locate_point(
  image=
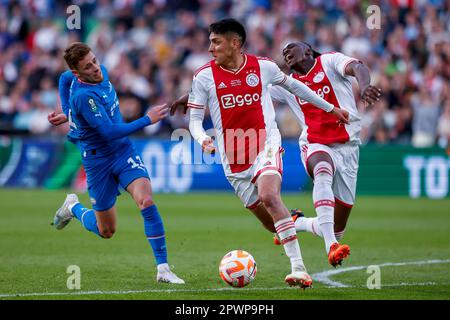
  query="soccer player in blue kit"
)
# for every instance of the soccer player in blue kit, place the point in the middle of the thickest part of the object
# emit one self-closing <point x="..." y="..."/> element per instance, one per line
<point x="91" y="106"/>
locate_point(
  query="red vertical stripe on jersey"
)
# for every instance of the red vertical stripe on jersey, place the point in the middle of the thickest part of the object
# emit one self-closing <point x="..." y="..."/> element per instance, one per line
<point x="322" y="126"/>
<point x="239" y="94"/>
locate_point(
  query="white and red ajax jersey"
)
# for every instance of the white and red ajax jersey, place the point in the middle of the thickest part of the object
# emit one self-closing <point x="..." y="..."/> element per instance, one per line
<point x="328" y="80"/>
<point x="241" y="108"/>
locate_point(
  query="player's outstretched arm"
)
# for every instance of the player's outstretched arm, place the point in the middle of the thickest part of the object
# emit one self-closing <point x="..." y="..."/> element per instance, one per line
<point x="198" y="132"/>
<point x="64" y="83"/>
<point x="112" y="131"/>
<point x="65" y="80"/>
<point x="180" y="102"/>
<point x="303" y="92"/>
<point x="97" y="118"/>
<point x="369" y="94"/>
<point x="158" y="113"/>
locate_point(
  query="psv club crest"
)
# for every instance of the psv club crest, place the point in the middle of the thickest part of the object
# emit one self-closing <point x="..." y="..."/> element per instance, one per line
<point x="252" y="80"/>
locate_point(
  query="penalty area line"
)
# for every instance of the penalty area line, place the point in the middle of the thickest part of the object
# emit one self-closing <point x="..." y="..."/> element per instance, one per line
<point x="324" y="277"/>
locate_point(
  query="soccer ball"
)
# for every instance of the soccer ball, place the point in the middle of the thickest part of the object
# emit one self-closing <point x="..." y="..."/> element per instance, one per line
<point x="237" y="268"/>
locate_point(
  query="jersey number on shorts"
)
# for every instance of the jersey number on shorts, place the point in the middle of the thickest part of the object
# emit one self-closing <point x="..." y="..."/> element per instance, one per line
<point x="139" y="164"/>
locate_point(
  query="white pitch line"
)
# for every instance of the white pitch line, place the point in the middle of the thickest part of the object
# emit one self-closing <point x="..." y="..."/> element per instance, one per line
<point x="83" y="293"/>
<point x="320" y="277"/>
<point x="324" y="276"/>
<point x="140" y="291"/>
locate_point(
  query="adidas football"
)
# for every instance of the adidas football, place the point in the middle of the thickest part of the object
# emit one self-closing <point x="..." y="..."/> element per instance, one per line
<point x="237" y="268"/>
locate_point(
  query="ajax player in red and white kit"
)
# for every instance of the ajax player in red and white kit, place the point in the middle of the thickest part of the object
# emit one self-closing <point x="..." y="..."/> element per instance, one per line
<point x="329" y="150"/>
<point x="235" y="88"/>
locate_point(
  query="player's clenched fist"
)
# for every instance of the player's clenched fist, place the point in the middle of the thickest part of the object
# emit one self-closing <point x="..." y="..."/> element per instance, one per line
<point x="56" y="118"/>
<point x="157" y="113"/>
<point x="208" y="146"/>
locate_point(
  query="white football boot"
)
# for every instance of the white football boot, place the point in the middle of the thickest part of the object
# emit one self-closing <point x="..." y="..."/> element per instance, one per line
<point x="299" y="278"/>
<point x="165" y="275"/>
<point x="64" y="215"/>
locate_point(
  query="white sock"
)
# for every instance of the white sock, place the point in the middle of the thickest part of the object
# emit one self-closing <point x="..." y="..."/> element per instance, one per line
<point x="323" y="198"/>
<point x="288" y="237"/>
<point x="303" y="224"/>
<point x="72" y="205"/>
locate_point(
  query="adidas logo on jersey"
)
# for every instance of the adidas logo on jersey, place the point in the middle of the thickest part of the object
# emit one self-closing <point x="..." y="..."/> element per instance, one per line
<point x="221" y="86"/>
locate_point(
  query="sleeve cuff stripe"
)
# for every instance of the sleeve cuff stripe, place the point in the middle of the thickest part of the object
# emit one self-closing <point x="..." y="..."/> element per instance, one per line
<point x="195" y="106"/>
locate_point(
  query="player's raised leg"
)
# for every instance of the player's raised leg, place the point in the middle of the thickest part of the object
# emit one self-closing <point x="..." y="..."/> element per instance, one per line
<point x="320" y="167"/>
<point x="341" y="215"/>
<point x="269" y="186"/>
<point x="141" y="191"/>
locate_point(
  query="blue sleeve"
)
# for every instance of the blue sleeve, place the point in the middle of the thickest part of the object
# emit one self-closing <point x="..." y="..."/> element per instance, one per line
<point x="65" y="81"/>
<point x="94" y="113"/>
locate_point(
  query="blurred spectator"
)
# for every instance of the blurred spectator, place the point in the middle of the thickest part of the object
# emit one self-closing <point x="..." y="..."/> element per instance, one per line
<point x="444" y="126"/>
<point x="425" y="118"/>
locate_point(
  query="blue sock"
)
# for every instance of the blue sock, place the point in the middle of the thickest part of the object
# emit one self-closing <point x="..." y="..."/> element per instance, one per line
<point x="86" y="217"/>
<point x="154" y="231"/>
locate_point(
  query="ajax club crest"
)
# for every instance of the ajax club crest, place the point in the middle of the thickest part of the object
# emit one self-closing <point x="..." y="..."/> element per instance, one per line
<point x="319" y="77"/>
<point x="252" y="80"/>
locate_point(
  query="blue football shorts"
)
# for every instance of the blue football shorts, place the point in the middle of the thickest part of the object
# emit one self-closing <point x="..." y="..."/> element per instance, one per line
<point x="105" y="174"/>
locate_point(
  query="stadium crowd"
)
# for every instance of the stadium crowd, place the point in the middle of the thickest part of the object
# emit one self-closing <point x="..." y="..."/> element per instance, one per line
<point x="152" y="48"/>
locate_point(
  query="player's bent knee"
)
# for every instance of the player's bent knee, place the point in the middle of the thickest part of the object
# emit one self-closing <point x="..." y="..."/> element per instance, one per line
<point x="269" y="200"/>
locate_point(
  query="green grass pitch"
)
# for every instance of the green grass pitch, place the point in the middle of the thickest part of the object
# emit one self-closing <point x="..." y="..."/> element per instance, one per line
<point x="408" y="239"/>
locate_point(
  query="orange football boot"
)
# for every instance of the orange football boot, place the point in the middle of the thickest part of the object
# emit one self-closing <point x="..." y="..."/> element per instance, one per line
<point x="337" y="253"/>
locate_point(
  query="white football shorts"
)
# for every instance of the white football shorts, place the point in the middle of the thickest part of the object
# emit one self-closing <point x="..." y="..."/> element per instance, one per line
<point x="345" y="159"/>
<point x="267" y="162"/>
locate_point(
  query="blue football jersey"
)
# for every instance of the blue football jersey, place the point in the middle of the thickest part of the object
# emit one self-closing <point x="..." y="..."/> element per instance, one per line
<point x="91" y="106"/>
